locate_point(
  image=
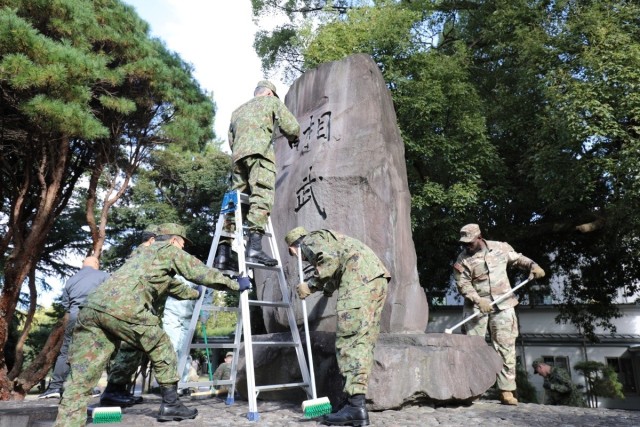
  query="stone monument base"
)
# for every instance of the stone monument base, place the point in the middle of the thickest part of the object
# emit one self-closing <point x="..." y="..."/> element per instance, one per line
<point x="408" y="369"/>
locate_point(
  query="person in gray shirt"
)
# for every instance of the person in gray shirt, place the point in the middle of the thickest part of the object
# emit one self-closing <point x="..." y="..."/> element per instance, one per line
<point x="75" y="292"/>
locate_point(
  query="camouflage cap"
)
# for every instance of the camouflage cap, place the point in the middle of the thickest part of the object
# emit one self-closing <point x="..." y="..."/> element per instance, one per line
<point x="152" y="229"/>
<point x="537" y="363"/>
<point x="469" y="232"/>
<point x="268" y="85"/>
<point x="172" y="229"/>
<point x="229" y="353"/>
<point x="294" y="235"/>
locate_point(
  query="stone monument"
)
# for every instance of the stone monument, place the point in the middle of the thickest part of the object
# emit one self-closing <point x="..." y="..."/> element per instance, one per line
<point x="348" y="174"/>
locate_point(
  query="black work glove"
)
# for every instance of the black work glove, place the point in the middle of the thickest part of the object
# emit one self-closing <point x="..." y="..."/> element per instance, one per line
<point x="294" y="143"/>
<point x="244" y="283"/>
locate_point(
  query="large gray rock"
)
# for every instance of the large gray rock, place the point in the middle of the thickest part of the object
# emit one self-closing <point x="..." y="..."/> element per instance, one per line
<point x="408" y="369"/>
<point x="347" y="174"/>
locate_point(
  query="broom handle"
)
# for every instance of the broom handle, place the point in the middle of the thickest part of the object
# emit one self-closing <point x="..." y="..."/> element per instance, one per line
<point x="306" y="328"/>
<point x="477" y="313"/>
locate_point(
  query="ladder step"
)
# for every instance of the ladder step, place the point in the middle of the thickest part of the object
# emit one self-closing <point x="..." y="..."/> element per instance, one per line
<point x="260" y="388"/>
<point x="205" y="383"/>
<point x="211" y="307"/>
<point x="277" y="343"/>
<point x="202" y="346"/>
<point x="262" y="266"/>
<point x="262" y="303"/>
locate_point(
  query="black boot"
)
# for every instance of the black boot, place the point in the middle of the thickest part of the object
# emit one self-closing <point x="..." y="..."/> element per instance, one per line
<point x="117" y="395"/>
<point x="353" y="414"/>
<point x="224" y="260"/>
<point x="172" y="409"/>
<point x="255" y="253"/>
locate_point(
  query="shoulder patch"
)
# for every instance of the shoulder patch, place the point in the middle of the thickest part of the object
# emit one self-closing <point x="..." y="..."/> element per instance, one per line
<point x="458" y="267"/>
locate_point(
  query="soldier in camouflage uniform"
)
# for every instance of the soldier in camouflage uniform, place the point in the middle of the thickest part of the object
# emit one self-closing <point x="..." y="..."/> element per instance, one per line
<point x="349" y="266"/>
<point x="123" y="309"/>
<point x="481" y="277"/>
<point x="560" y="390"/>
<point x="128" y="358"/>
<point x="251" y="133"/>
<point x="223" y="372"/>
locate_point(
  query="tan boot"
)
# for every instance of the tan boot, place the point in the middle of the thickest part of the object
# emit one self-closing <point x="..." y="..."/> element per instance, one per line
<point x="506" y="398"/>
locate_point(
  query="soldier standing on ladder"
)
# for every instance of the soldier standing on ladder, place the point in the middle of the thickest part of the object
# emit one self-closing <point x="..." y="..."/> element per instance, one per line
<point x="251" y="133"/>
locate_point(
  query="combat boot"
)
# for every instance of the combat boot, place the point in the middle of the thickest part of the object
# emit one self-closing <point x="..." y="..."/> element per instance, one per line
<point x="354" y="413"/>
<point x="117" y="395"/>
<point x="506" y="398"/>
<point x="224" y="259"/>
<point x="171" y="408"/>
<point x="255" y="253"/>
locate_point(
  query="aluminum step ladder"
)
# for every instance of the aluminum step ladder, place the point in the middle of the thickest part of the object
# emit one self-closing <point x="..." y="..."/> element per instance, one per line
<point x="232" y="206"/>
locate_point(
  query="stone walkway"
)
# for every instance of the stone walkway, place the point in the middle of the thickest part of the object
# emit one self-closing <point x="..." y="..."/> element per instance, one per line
<point x="214" y="412"/>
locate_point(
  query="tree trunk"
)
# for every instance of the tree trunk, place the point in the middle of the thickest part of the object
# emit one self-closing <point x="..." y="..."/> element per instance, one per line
<point x="29" y="231"/>
<point x="33" y="296"/>
<point x="39" y="368"/>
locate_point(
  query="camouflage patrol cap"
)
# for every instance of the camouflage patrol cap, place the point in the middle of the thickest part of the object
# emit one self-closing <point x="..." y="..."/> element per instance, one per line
<point x="469" y="232"/>
<point x="268" y="85"/>
<point x="294" y="235"/>
<point x="537" y="363"/>
<point x="172" y="229"/>
<point x="229" y="353"/>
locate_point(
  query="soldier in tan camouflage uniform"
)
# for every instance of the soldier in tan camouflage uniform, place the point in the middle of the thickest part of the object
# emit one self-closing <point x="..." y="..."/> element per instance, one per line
<point x="251" y="133"/>
<point x="349" y="266"/>
<point x="560" y="390"/>
<point x="481" y="277"/>
<point x="123" y="309"/>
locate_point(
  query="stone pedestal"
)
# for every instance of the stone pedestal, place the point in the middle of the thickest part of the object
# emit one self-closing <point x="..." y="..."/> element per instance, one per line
<point x="408" y="369"/>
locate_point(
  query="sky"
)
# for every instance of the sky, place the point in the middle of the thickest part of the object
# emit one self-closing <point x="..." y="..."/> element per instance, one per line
<point x="216" y="38"/>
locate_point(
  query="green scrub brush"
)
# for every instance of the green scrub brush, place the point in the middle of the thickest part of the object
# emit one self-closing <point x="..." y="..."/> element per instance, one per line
<point x="105" y="415"/>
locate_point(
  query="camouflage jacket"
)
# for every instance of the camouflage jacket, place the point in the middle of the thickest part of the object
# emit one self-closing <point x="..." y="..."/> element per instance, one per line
<point x="560" y="390"/>
<point x="142" y="284"/>
<point x="223" y="372"/>
<point x="484" y="274"/>
<point x="340" y="262"/>
<point x="254" y="123"/>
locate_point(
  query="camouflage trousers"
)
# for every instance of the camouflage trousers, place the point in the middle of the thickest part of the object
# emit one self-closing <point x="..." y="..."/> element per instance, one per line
<point x="357" y="332"/>
<point x="503" y="328"/>
<point x="125" y="365"/>
<point x="256" y="176"/>
<point x="95" y="337"/>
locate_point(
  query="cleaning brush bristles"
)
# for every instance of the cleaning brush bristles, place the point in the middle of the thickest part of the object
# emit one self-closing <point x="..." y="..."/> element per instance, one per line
<point x="104" y="415"/>
<point x="316" y="407"/>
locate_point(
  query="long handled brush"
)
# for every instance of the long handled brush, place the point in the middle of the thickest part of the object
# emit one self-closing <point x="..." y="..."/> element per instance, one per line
<point x="477" y="313"/>
<point x="315" y="407"/>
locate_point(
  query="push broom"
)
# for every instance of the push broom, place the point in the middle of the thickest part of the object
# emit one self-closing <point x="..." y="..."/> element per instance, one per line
<point x="477" y="313"/>
<point x="315" y="407"/>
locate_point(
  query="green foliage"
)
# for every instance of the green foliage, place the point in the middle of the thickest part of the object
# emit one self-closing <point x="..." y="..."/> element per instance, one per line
<point x="526" y="391"/>
<point x="602" y="380"/>
<point x="519" y="115"/>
